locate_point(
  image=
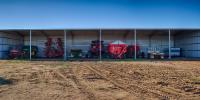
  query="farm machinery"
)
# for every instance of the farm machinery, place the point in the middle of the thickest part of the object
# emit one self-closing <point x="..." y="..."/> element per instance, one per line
<point x="155" y="53"/>
<point x="54" y="49"/>
<point x="95" y="48"/>
<point x="23" y="52"/>
<point x="117" y="49"/>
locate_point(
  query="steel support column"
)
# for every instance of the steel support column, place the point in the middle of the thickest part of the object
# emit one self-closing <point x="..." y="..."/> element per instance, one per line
<point x="135" y="39"/>
<point x="169" y="44"/>
<point x="100" y="49"/>
<point x="30" y="43"/>
<point x="65" y="45"/>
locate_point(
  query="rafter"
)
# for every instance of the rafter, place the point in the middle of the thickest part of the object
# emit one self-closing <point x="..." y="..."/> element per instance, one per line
<point x="44" y="33"/>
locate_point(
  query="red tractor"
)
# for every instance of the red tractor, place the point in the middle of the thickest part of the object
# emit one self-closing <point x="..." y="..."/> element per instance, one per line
<point x="95" y="48"/>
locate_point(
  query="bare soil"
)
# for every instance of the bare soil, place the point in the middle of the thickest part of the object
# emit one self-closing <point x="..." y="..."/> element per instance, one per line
<point x="57" y="80"/>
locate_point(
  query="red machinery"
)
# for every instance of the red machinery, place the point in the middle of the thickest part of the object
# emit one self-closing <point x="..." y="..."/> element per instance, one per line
<point x="131" y="51"/>
<point x="14" y="53"/>
<point x="60" y="49"/>
<point x="52" y="50"/>
<point x="95" y="48"/>
<point x="49" y="52"/>
<point x="117" y="49"/>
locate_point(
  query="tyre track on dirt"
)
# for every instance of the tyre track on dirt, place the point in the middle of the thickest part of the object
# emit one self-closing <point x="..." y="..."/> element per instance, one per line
<point x="76" y="83"/>
<point x="82" y="87"/>
<point x="133" y="89"/>
<point x="159" y="92"/>
<point x="88" y="78"/>
<point x="155" y="90"/>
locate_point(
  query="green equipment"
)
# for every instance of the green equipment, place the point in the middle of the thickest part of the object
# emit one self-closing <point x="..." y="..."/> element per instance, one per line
<point x="76" y="53"/>
<point x="26" y="51"/>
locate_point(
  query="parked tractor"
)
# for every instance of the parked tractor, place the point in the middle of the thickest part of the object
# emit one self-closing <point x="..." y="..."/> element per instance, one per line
<point x="23" y="52"/>
<point x="95" y="48"/>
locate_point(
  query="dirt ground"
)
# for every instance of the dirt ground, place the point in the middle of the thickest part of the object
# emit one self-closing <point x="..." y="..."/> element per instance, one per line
<point x="57" y="80"/>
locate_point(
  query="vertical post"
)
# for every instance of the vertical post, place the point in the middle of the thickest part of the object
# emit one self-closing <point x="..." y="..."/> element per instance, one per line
<point x="135" y="36"/>
<point x="30" y="43"/>
<point x="65" y="45"/>
<point x="169" y="44"/>
<point x="100" y="49"/>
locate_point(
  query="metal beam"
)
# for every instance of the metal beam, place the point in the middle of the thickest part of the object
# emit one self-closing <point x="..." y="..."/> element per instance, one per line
<point x="126" y="34"/>
<point x="11" y="32"/>
<point x="6" y="32"/>
<point x="135" y="39"/>
<point x="72" y="37"/>
<point x="65" y="45"/>
<point x="150" y="37"/>
<point x="30" y="42"/>
<point x="45" y="34"/>
<point x="19" y="34"/>
<point x="169" y="44"/>
<point x="100" y="39"/>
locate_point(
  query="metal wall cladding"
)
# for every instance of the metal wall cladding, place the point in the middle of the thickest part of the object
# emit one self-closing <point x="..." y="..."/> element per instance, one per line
<point x="8" y="41"/>
<point x="4" y="55"/>
<point x="189" y="43"/>
<point x="81" y="40"/>
<point x="156" y="42"/>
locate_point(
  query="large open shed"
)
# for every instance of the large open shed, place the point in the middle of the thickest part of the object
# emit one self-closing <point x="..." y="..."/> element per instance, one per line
<point x="76" y="44"/>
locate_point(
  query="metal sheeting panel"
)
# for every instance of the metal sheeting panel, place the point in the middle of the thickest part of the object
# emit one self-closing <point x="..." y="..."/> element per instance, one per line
<point x="156" y="42"/>
<point x="81" y="40"/>
<point x="8" y="41"/>
<point x="189" y="43"/>
<point x="3" y="55"/>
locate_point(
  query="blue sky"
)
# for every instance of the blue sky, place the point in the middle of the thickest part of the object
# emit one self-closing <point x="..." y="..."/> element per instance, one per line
<point x="44" y="14"/>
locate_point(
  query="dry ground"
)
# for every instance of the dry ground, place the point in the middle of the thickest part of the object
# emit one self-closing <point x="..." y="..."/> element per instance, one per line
<point x="51" y="80"/>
